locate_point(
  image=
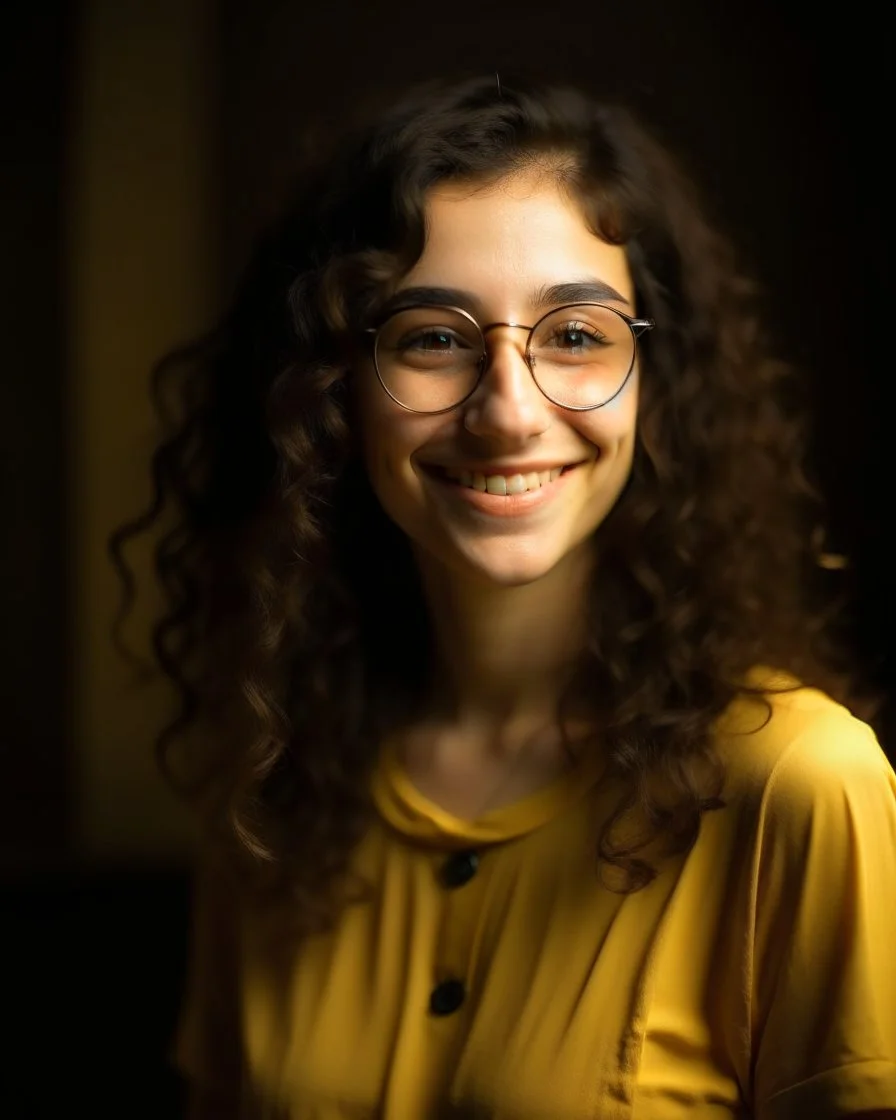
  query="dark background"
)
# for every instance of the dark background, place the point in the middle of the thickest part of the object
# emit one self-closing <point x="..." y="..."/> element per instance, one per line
<point x="782" y="114"/>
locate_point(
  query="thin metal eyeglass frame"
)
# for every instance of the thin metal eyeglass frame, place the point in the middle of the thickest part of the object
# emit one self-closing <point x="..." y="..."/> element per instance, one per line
<point x="636" y="326"/>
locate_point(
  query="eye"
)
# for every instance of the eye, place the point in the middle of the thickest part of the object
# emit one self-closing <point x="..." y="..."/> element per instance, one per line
<point x="430" y="339"/>
<point x="576" y="336"/>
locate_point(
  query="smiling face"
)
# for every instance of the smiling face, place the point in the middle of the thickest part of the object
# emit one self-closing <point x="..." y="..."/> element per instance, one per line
<point x="504" y="246"/>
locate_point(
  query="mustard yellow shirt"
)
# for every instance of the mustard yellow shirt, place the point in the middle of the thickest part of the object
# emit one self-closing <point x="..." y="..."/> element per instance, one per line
<point x="495" y="977"/>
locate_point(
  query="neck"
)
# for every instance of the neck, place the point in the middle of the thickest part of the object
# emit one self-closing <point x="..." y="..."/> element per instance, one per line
<point x="504" y="654"/>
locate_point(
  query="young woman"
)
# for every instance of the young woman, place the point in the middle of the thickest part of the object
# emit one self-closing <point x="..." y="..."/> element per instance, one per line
<point x="530" y="787"/>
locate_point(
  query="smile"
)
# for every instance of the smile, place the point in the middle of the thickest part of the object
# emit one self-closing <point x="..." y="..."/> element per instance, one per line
<point x="501" y="496"/>
<point x="504" y="484"/>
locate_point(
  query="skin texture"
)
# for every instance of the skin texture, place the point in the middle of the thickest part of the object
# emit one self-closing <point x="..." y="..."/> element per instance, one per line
<point x="499" y="243"/>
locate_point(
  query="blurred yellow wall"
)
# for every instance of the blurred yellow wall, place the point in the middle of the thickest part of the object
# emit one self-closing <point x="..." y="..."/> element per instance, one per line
<point x="141" y="250"/>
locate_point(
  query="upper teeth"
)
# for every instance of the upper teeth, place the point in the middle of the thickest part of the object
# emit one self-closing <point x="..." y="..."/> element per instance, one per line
<point x="505" y="484"/>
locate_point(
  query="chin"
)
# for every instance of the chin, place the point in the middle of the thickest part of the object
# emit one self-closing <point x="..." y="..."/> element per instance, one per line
<point x="517" y="577"/>
<point x="501" y="571"/>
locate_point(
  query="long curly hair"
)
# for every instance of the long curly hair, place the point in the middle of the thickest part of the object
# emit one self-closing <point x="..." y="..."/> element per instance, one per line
<point x="295" y="629"/>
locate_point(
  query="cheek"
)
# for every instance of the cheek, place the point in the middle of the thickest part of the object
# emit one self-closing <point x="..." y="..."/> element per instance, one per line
<point x="387" y="438"/>
<point x="389" y="442"/>
<point x="380" y="460"/>
<point x="613" y="427"/>
<point x="377" y="430"/>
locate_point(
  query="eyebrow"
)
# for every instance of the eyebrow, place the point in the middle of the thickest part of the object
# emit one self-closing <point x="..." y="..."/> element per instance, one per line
<point x="587" y="290"/>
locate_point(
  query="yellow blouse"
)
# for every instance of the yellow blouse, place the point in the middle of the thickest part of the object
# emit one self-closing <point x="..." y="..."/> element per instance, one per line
<point x="493" y="976"/>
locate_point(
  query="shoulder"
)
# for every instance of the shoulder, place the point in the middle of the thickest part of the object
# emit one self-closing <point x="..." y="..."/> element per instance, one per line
<point x="789" y="746"/>
<point x="814" y="798"/>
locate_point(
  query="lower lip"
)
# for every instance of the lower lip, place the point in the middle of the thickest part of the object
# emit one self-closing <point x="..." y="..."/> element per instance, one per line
<point x="501" y="505"/>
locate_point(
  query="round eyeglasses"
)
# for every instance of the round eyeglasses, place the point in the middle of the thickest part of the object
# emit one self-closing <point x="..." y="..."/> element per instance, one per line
<point x="430" y="358"/>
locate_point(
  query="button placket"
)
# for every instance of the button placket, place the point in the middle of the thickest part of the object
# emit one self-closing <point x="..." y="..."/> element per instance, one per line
<point x="456" y="933"/>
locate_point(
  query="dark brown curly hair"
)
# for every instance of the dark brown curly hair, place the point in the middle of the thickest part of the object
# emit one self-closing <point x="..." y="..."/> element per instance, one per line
<point x="295" y="629"/>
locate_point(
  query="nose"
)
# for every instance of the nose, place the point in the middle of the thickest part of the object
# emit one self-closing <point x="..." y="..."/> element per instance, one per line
<point x="507" y="405"/>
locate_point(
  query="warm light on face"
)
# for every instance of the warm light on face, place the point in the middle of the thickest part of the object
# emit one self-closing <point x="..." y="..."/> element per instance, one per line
<point x="508" y="485"/>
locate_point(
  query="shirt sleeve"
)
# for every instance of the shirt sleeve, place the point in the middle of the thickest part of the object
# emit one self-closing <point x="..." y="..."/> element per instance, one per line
<point x="824" y="960"/>
<point x="207" y="1045"/>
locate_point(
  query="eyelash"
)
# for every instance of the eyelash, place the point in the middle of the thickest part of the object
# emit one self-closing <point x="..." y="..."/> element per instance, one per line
<point x="593" y="334"/>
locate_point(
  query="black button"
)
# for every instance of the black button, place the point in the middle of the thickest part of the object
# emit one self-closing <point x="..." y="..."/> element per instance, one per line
<point x="460" y="868"/>
<point x="446" y="997"/>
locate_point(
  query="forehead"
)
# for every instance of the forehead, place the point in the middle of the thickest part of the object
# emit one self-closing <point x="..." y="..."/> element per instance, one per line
<point x="507" y="238"/>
